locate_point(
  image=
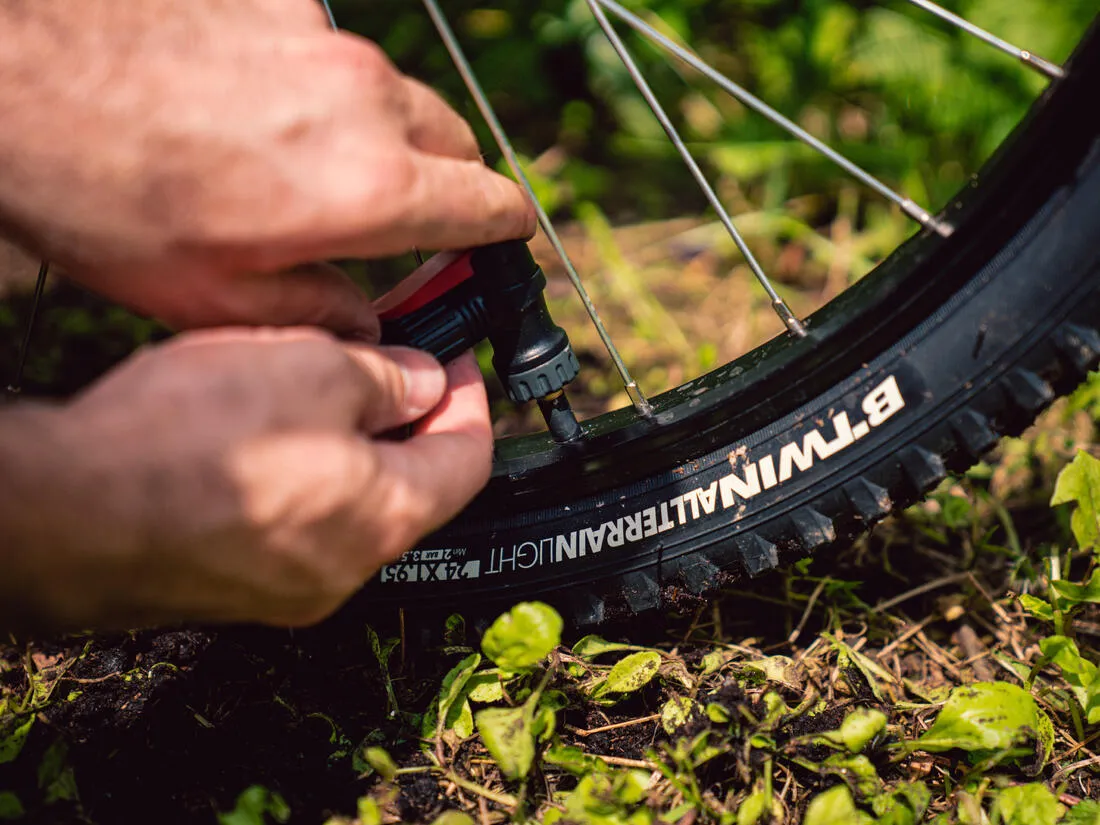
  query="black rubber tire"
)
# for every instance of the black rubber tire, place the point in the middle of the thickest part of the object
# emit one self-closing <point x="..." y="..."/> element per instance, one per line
<point x="918" y="370"/>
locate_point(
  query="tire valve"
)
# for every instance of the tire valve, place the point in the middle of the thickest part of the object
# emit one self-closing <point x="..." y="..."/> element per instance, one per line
<point x="456" y="300"/>
<point x="561" y="421"/>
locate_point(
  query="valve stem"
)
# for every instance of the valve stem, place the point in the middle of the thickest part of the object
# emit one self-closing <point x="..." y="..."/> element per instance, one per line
<point x="560" y="420"/>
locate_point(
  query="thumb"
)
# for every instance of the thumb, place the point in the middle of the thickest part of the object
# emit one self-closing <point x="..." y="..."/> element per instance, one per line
<point x="399" y="386"/>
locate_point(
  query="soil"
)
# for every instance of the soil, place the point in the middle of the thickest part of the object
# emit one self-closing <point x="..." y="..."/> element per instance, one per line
<point x="181" y="722"/>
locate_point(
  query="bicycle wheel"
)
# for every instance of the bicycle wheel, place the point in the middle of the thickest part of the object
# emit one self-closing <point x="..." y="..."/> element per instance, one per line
<point x="952" y="342"/>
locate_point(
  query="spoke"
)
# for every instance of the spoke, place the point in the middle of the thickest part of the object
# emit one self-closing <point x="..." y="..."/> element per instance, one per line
<point x="331" y="16"/>
<point x="1028" y="58"/>
<point x="781" y="308"/>
<point x="641" y="404"/>
<point x="16" y="385"/>
<point x="908" y="206"/>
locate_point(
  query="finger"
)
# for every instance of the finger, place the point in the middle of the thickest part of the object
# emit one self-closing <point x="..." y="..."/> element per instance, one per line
<point x="434" y="127"/>
<point x="402" y="385"/>
<point x="458" y="204"/>
<point x="466" y="403"/>
<point x="431" y="477"/>
<point x="431" y="202"/>
<point x="313" y="294"/>
<point x="318" y="295"/>
<point x="318" y="381"/>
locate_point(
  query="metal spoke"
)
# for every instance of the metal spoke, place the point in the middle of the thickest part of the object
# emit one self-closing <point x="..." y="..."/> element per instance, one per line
<point x="1028" y="58"/>
<point x="641" y="404"/>
<point x="331" y="16"/>
<point x="908" y="206"/>
<point x="781" y="308"/>
<point x="16" y="385"/>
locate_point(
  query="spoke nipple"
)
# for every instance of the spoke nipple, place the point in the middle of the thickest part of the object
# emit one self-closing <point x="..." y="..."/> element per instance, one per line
<point x="794" y="326"/>
<point x="921" y="216"/>
<point x="944" y="229"/>
<point x="1052" y="70"/>
<point x="640" y="402"/>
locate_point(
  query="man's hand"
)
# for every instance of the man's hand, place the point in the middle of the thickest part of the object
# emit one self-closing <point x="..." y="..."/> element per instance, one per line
<point x="233" y="476"/>
<point x="185" y="158"/>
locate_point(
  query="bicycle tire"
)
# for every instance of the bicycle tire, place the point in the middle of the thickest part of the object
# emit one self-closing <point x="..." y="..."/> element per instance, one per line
<point x="918" y="370"/>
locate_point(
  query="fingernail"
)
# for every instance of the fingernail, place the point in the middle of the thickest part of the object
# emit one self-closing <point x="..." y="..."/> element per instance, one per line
<point x="425" y="380"/>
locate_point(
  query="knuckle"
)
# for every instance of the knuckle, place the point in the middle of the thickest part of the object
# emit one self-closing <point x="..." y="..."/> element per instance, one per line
<point x="365" y="65"/>
<point x="386" y="197"/>
<point x="393" y="182"/>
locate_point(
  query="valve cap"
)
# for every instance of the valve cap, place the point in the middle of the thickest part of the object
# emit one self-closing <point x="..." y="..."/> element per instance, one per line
<point x="545" y="379"/>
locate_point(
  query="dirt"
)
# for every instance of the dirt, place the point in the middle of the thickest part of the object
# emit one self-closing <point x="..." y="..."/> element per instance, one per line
<point x="181" y="722"/>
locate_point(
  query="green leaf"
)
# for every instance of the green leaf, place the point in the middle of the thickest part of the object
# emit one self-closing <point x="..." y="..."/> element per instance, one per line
<point x="592" y="646"/>
<point x="463" y="725"/>
<point x="1079" y="482"/>
<point x="13" y="740"/>
<point x="368" y="811"/>
<point x="991" y="720"/>
<point x="545" y="722"/>
<point x="1038" y="608"/>
<point x="781" y="670"/>
<point x="253" y="807"/>
<point x="10" y="806"/>
<point x="835" y="807"/>
<point x="858" y="728"/>
<point x="715" y="661"/>
<point x="523" y="637"/>
<point x="776" y="709"/>
<point x="633" y="672"/>
<point x="873" y="673"/>
<point x="55" y="775"/>
<point x="1027" y="805"/>
<point x="1062" y="651"/>
<point x="1089" y="592"/>
<point x="1081" y="674"/>
<point x="507" y="734"/>
<point x="1086" y="812"/>
<point x="718" y="713"/>
<point x="574" y="760"/>
<point x="381" y="762"/>
<point x="448" y="707"/>
<point x="857" y="771"/>
<point x="554" y="699"/>
<point x="904" y="804"/>
<point x="675" y="713"/>
<point x="608" y="799"/>
<point x="486" y="687"/>
<point x="453" y="817"/>
<point x="753" y="809"/>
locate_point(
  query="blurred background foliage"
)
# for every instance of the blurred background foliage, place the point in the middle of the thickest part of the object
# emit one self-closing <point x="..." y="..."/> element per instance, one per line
<point x="911" y="98"/>
<point x="915" y="101"/>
